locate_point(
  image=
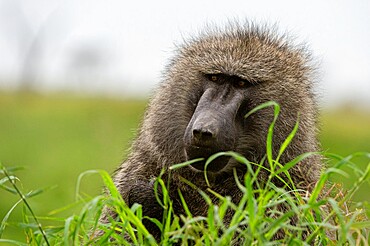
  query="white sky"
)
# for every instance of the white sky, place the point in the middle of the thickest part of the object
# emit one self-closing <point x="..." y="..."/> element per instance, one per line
<point x="135" y="39"/>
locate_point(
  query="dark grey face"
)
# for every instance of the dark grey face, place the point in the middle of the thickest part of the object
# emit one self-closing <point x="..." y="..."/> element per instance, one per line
<point x="216" y="121"/>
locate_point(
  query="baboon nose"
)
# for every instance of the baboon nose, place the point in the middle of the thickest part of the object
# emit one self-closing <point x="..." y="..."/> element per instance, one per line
<point x="203" y="136"/>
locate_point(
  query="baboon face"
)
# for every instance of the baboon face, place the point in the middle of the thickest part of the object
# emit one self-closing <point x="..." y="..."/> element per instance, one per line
<point x="226" y="76"/>
<point x="217" y="119"/>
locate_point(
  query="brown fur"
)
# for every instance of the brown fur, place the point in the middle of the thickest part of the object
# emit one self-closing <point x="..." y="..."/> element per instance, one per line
<point x="278" y="70"/>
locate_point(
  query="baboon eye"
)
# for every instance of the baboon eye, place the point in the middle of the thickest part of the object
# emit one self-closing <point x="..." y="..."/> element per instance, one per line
<point x="240" y="83"/>
<point x="214" y="77"/>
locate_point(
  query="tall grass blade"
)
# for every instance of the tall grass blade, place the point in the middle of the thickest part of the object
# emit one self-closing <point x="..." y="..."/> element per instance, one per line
<point x="288" y="140"/>
<point x="23" y="198"/>
<point x="6" y="217"/>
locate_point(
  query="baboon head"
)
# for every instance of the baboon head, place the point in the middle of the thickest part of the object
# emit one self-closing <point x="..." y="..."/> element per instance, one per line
<point x="214" y="80"/>
<point x="199" y="109"/>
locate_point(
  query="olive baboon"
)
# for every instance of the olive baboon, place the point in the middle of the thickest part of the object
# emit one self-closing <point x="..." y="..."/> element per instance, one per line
<point x="199" y="108"/>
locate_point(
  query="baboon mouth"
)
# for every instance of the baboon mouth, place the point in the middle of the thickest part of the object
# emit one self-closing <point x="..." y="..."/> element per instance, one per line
<point x="194" y="152"/>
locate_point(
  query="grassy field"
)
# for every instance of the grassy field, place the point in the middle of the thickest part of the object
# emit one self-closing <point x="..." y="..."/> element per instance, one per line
<point x="58" y="137"/>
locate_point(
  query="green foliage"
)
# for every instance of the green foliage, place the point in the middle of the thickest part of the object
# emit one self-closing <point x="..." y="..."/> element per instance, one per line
<point x="327" y="213"/>
<point x="256" y="218"/>
<point x="57" y="137"/>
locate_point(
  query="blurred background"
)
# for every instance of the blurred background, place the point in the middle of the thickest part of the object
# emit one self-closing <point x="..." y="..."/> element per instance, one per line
<point x="75" y="77"/>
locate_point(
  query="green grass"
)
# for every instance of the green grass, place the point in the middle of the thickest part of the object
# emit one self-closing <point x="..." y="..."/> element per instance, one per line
<point x="318" y="220"/>
<point x="58" y="137"/>
<point x="345" y="131"/>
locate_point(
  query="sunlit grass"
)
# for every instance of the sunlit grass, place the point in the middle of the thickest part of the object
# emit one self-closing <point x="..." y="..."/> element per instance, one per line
<point x="57" y="137"/>
<point x="256" y="218"/>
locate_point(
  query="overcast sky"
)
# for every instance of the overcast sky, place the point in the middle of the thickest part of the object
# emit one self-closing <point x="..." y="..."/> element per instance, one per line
<point x="120" y="47"/>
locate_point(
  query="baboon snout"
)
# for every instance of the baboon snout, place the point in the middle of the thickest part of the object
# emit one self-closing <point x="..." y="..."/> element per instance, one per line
<point x="204" y="137"/>
<point x="212" y="127"/>
<point x="203" y="134"/>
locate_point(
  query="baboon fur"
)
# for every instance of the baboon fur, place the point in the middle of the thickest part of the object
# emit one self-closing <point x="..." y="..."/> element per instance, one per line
<point x="275" y="70"/>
